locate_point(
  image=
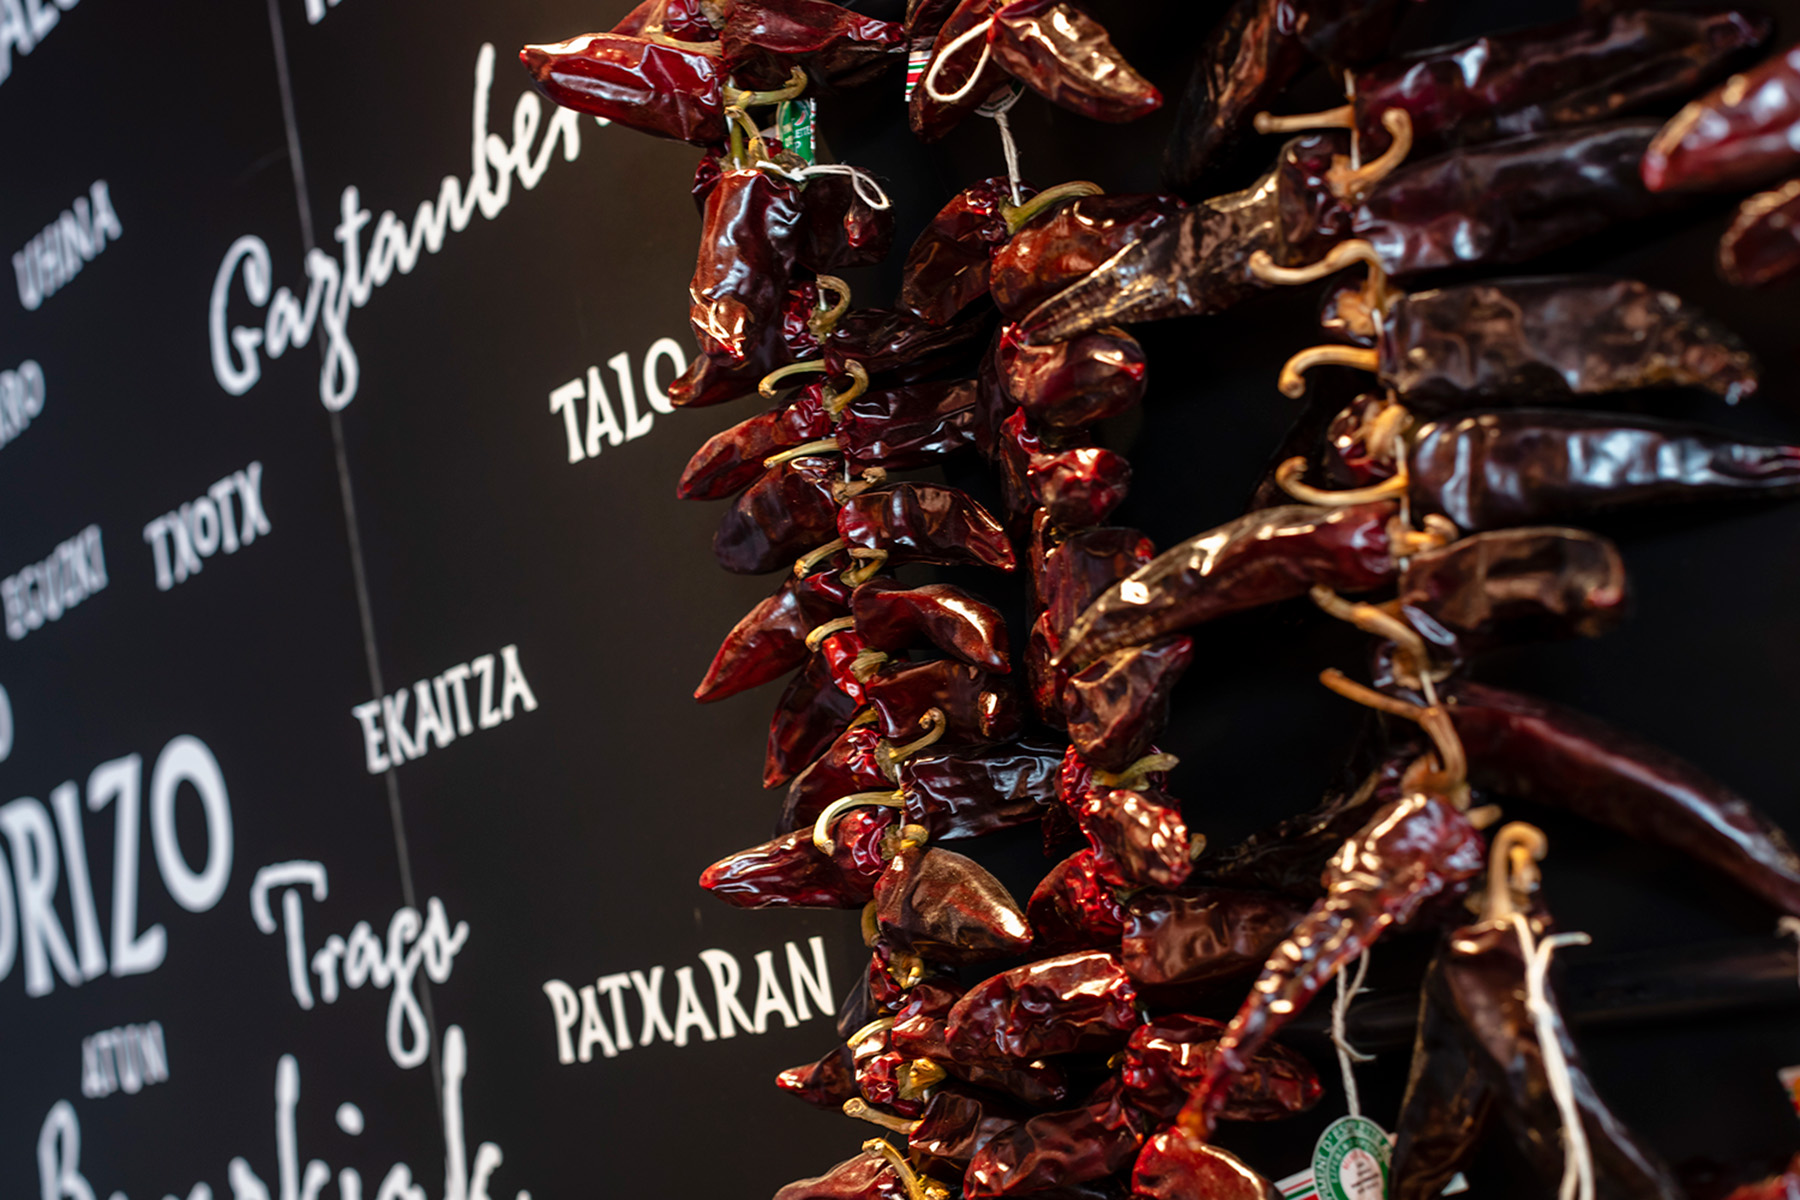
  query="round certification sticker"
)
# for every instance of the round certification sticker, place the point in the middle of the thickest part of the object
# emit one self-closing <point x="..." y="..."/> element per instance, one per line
<point x="1351" y="1160"/>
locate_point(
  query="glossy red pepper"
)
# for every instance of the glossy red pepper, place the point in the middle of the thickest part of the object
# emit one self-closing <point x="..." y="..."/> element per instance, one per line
<point x="1447" y="1104"/>
<point x="839" y="229"/>
<point x="732" y="459"/>
<point x="1762" y="246"/>
<point x="1783" y="1186"/>
<point x="1067" y="57"/>
<point x="1176" y="1166"/>
<point x="948" y="266"/>
<point x="1070" y="384"/>
<point x="1739" y="134"/>
<point x="1415" y="850"/>
<point x="810" y="715"/>
<point x="1253" y="561"/>
<point x="1038" y="1084"/>
<point x="900" y="347"/>
<point x="868" y="1176"/>
<point x="824" y="1084"/>
<point x="789" y="510"/>
<point x="1082" y="1001"/>
<point x="748" y="238"/>
<point x="1056" y="1149"/>
<point x="1078" y="488"/>
<point x="925" y="523"/>
<point x="849" y="765"/>
<point x="763" y="40"/>
<point x="1056" y="248"/>
<point x="790" y="872"/>
<point x="977" y="708"/>
<point x="947" y="907"/>
<point x="1204" y="935"/>
<point x="771" y="639"/>
<point x="656" y="87"/>
<point x="1073" y="908"/>
<point x="953" y="1129"/>
<point x="847" y="660"/>
<point x="1166" y="1057"/>
<point x="974" y="792"/>
<point x="715" y="379"/>
<point x="1138" y="837"/>
<point x="1525" y="747"/>
<point x="969" y="73"/>
<point x="906" y="427"/>
<point x="1083" y="565"/>
<point x="684" y="20"/>
<point x="891" y="616"/>
<point x="1118" y="704"/>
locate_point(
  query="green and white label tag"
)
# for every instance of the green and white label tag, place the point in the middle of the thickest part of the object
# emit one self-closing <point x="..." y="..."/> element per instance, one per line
<point x="1350" y="1162"/>
<point x="794" y="126"/>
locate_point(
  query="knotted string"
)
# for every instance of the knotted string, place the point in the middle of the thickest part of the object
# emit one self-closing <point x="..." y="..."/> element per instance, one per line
<point x="1578" y="1162"/>
<point x="861" y="180"/>
<point x="1348" y="1054"/>
<point x="937" y="64"/>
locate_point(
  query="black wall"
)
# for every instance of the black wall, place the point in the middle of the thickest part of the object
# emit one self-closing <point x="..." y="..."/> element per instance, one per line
<point x="431" y="516"/>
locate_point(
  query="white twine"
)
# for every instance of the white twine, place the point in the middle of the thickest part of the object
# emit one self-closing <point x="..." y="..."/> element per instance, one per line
<point x="937" y="64"/>
<point x="996" y="112"/>
<point x="1348" y="1054"/>
<point x="861" y="180"/>
<point x="1578" y="1163"/>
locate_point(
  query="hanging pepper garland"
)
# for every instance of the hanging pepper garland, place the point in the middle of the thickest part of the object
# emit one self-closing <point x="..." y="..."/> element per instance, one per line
<point x="905" y="725"/>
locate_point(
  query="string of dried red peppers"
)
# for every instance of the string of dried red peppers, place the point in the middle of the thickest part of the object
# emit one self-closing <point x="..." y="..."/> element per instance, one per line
<point x="904" y="725"/>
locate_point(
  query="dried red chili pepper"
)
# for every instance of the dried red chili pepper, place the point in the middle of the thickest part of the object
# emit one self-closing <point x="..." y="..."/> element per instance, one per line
<point x="810" y="715"/>
<point x="824" y="1084"/>
<point x="763" y="40"/>
<point x="973" y="706"/>
<point x="1058" y="247"/>
<point x="748" y="238"/>
<point x="1573" y="72"/>
<point x="1118" y="704"/>
<point x="946" y="907"/>
<point x="976" y="792"/>
<point x="847" y="660"/>
<point x="1066" y="385"/>
<point x="1080" y="569"/>
<point x="907" y="427"/>
<point x="1038" y="1084"/>
<point x="790" y="872"/>
<point x="1446" y="1107"/>
<point x="789" y="510"/>
<point x="771" y="639"/>
<point x="1523" y="466"/>
<point x="899" y="346"/>
<point x="1255" y="560"/>
<point x="732" y="459"/>
<point x="1167" y="1056"/>
<point x="1072" y="1003"/>
<point x="717" y="378"/>
<point x="1740" y="133"/>
<point x="839" y="228"/>
<point x="868" y="1176"/>
<point x="1078" y="488"/>
<point x="1777" y="1187"/>
<point x="849" y="765"/>
<point x="969" y="72"/>
<point x="1522" y="746"/>
<point x="925" y="523"/>
<point x="1415" y="849"/>
<point x="656" y="87"/>
<point x="953" y="1129"/>
<point x="684" y="20"/>
<point x="1073" y="908"/>
<point x="1067" y="57"/>
<point x="1762" y="245"/>
<point x="1138" y="837"/>
<point x="1176" y="1166"/>
<point x="947" y="268"/>
<point x="891" y="616"/>
<point x="1203" y="936"/>
<point x="1056" y="1149"/>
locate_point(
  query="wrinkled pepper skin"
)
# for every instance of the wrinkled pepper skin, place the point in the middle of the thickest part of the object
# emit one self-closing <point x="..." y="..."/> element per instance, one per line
<point x="789" y="510"/>
<point x="824" y="1084"/>
<point x="1069" y="1004"/>
<point x="865" y="1177"/>
<point x="1579" y="335"/>
<point x="1079" y="489"/>
<point x="978" y="708"/>
<point x="1073" y="908"/>
<point x="907" y="427"/>
<point x="1529" y="748"/>
<point x="748" y="238"/>
<point x="1084" y="565"/>
<point x="948" y="267"/>
<point x="732" y="459"/>
<point x="952" y="1130"/>
<point x="900" y="347"/>
<point x="1118" y="704"/>
<point x="1057" y="248"/>
<point x="891" y="616"/>
<point x="790" y="872"/>
<point x="1484" y="986"/>
<point x="947" y="907"/>
<point x="1511" y="585"/>
<point x="1175" y="1166"/>
<point x="764" y="39"/>
<point x="1138" y="838"/>
<point x="1737" y="135"/>
<point x="716" y="379"/>
<point x="810" y="715"/>
<point x="1573" y="72"/>
<point x="1447" y="1104"/>
<point x="839" y="230"/>
<point x="1414" y="850"/>
<point x="1040" y="1085"/>
<point x="931" y="119"/>
<point x="925" y="523"/>
<point x="848" y="765"/>
<point x="1067" y="385"/>
<point x="1762" y="246"/>
<point x="1526" y="466"/>
<point x="653" y="87"/>
<point x="976" y="792"/>
<point x="1066" y="56"/>
<point x="1167" y="1056"/>
<point x="1258" y="559"/>
<point x="1056" y="1149"/>
<point x="771" y="639"/>
<point x="1203" y="936"/>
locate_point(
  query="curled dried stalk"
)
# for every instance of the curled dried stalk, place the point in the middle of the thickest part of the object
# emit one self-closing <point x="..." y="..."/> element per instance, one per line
<point x="1449" y="775"/>
<point x="1287" y="475"/>
<point x="862" y="1110"/>
<point x="1292" y="380"/>
<point x="889" y="756"/>
<point x="1341" y="117"/>
<point x="737" y="98"/>
<point x="825" y="445"/>
<point x="825" y="318"/>
<point x="821" y="834"/>
<point x="819" y="633"/>
<point x="1352" y="183"/>
<point x="869" y="564"/>
<point x="1412" y="660"/>
<point x="771" y="383"/>
<point x="806" y="562"/>
<point x="1512" y="869"/>
<point x="836" y="402"/>
<point x="1136" y="777"/>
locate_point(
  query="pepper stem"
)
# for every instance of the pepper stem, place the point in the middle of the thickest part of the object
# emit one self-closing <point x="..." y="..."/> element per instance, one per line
<point x="837" y="402"/>
<point x="806" y="562"/>
<point x="746" y="139"/>
<point x="1292" y="381"/>
<point x="1136" y="777"/>
<point x="1452" y="769"/>
<point x="1341" y="117"/>
<point x="1382" y="623"/>
<point x="889" y="756"/>
<point x="1512" y="869"/>
<point x="878" y="1025"/>
<point x="917" y="1187"/>
<point x="919" y="1076"/>
<point x="873" y="561"/>
<point x="862" y="1110"/>
<point x="1020" y="215"/>
<point x="791" y="90"/>
<point x="821" y="835"/>
<point x="1288" y="476"/>
<point x="820" y="632"/>
<point x="826" y="445"/>
<point x="768" y="387"/>
<point x="826" y="318"/>
<point x="1353" y="183"/>
<point x="1345" y="254"/>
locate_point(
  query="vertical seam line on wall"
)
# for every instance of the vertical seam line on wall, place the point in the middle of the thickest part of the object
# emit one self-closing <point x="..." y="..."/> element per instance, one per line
<point x="365" y="610"/>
